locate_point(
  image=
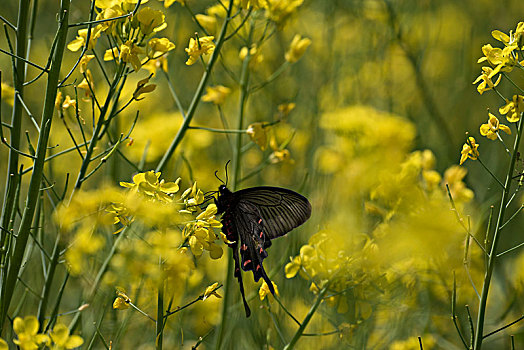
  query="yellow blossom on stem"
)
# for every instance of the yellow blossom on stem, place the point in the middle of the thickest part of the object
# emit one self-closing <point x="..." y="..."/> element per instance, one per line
<point x="68" y="102"/>
<point x="197" y="48"/>
<point x="211" y="290"/>
<point x="122" y="301"/>
<point x="84" y="61"/>
<point x="151" y="20"/>
<point x="485" y="80"/>
<point x="153" y="65"/>
<point x="297" y="48"/>
<point x="492" y="127"/>
<point x="87" y="85"/>
<point x="216" y="94"/>
<point x="142" y="87"/>
<point x="81" y="38"/>
<point x="264" y="290"/>
<point x="157" y="47"/>
<point x="513" y="109"/>
<point x="129" y="53"/>
<point x="63" y="340"/>
<point x="206" y="21"/>
<point x="258" y="134"/>
<point x="291" y="269"/>
<point x="111" y="54"/>
<point x="280" y="10"/>
<point x="3" y="345"/>
<point x="26" y="330"/>
<point x="149" y="184"/>
<point x="469" y="150"/>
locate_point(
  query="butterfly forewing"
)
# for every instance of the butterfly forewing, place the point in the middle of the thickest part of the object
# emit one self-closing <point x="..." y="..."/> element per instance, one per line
<point x="280" y="209"/>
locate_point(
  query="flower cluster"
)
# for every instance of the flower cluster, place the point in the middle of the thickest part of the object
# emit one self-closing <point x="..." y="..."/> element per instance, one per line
<point x="132" y="36"/>
<point x="28" y="338"/>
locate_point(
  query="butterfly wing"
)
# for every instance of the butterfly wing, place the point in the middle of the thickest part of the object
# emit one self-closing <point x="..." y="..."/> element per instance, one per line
<point x="280" y="209"/>
<point x="262" y="214"/>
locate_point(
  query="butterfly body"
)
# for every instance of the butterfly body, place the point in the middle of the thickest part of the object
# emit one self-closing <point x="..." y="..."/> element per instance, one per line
<point x="251" y="218"/>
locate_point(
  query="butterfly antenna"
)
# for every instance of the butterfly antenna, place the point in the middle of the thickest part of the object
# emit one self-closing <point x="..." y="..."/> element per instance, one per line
<point x="219" y="179"/>
<point x="229" y="161"/>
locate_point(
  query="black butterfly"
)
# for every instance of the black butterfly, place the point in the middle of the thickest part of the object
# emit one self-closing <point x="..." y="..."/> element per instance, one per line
<point x="251" y="218"/>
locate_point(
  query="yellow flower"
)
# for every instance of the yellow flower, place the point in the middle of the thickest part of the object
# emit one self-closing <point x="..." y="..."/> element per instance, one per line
<point x="154" y="64"/>
<point x="493" y="126"/>
<point x="68" y="102"/>
<point x="142" y="87"/>
<point x="85" y="85"/>
<point x="151" y="20"/>
<point x="513" y="109"/>
<point x="208" y="22"/>
<point x="26" y="330"/>
<point x="81" y="38"/>
<point x="297" y="48"/>
<point x="203" y="46"/>
<point x="293" y="267"/>
<point x="168" y="3"/>
<point x="502" y="59"/>
<point x="469" y="150"/>
<point x="111" y="54"/>
<point x="63" y="340"/>
<point x="280" y="10"/>
<point x="257" y="133"/>
<point x="84" y="61"/>
<point x="279" y="156"/>
<point x="149" y="184"/>
<point x="216" y="94"/>
<point x="3" y="345"/>
<point x="122" y="301"/>
<point x="211" y="290"/>
<point x="286" y="108"/>
<point x="157" y="47"/>
<point x="486" y="76"/>
<point x="453" y="177"/>
<point x="129" y="53"/>
<point x="264" y="290"/>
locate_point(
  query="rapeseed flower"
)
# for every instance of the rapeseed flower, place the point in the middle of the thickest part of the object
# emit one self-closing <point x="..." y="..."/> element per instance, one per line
<point x="264" y="290"/>
<point x="513" y="109"/>
<point x="203" y="46"/>
<point x="63" y="340"/>
<point x="26" y="330"/>
<point x="492" y="127"/>
<point x="297" y="48"/>
<point x="151" y="20"/>
<point x="81" y="38"/>
<point x="469" y="150"/>
<point x="216" y="94"/>
<point x="484" y="78"/>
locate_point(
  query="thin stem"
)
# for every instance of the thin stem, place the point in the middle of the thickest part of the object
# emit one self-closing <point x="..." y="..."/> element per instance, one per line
<point x="198" y="94"/>
<point x="36" y="177"/>
<point x="493" y="253"/>
<point x="506" y="326"/>
<point x="308" y="317"/>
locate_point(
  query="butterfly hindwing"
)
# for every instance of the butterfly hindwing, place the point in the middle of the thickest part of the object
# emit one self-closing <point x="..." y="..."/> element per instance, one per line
<point x="253" y="240"/>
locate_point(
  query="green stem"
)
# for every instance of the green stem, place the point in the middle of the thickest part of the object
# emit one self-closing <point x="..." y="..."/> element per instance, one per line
<point x="198" y="94"/>
<point x="235" y="181"/>
<point x="12" y="177"/>
<point x="308" y="317"/>
<point x="38" y="167"/>
<point x="160" y="311"/>
<point x="493" y="252"/>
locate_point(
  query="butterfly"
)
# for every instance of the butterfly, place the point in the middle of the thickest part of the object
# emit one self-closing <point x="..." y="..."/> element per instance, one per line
<point x="251" y="218"/>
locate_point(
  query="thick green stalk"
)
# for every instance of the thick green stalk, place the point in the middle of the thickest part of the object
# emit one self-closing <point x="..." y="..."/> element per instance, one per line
<point x="16" y="126"/>
<point x="493" y="252"/>
<point x="237" y="154"/>
<point x="198" y="94"/>
<point x="38" y="167"/>
<point x="308" y="317"/>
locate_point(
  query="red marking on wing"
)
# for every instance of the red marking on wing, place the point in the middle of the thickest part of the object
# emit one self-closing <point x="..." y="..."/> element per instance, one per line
<point x="243" y="247"/>
<point x="261" y="234"/>
<point x="259" y="221"/>
<point x="261" y="250"/>
<point x="246" y="262"/>
<point x="258" y="267"/>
